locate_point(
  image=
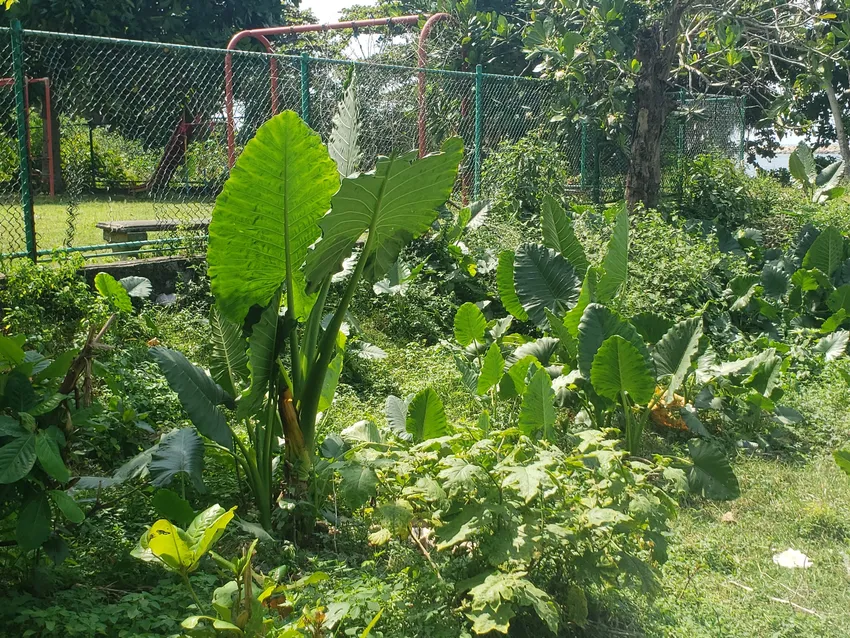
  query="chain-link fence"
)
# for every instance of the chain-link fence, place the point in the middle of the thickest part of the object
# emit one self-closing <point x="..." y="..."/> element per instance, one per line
<point x="138" y="133"/>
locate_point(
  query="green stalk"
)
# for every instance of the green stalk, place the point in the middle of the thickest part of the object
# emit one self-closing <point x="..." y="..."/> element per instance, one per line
<point x="314" y="322"/>
<point x="327" y="347"/>
<point x="188" y="584"/>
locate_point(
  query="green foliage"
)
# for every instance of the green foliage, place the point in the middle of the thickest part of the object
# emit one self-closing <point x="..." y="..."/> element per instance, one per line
<point x="509" y="554"/>
<point x="819" y="186"/>
<point x="35" y="423"/>
<point x="717" y="189"/>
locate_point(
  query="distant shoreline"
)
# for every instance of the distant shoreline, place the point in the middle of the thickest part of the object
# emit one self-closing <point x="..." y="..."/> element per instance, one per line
<point x="832" y="149"/>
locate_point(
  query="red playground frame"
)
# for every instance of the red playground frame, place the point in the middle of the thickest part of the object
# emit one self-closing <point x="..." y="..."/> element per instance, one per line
<point x="4" y="82"/>
<point x="260" y="35"/>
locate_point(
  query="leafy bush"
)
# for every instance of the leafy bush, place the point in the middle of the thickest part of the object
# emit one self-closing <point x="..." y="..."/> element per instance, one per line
<point x="521" y="525"/>
<point x="46" y="303"/>
<point x="517" y="175"/>
<point x="716" y="188"/>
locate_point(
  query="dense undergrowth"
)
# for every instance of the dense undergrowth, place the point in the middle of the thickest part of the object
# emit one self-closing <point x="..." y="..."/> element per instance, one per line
<point x="469" y="476"/>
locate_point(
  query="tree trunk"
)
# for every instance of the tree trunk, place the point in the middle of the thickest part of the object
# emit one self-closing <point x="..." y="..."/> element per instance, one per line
<point x="655" y="49"/>
<point x="643" y="182"/>
<point x="840" y="131"/>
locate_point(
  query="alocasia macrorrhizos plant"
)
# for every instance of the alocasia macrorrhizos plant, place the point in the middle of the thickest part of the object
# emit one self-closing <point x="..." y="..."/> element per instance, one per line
<point x="283" y="196"/>
<point x="596" y="362"/>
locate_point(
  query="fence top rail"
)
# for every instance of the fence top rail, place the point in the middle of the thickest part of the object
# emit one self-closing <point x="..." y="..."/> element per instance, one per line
<point x="295" y="59"/>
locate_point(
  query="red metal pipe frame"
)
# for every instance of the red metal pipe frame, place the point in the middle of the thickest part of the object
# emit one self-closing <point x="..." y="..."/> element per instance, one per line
<point x="260" y="35"/>
<point x="48" y="124"/>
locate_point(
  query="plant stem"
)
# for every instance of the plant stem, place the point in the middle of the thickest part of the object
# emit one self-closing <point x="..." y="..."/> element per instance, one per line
<point x="327" y="347"/>
<point x="188" y="584"/>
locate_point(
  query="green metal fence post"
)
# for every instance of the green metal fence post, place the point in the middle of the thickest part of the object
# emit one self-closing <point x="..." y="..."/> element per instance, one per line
<point x="743" y="145"/>
<point x="597" y="170"/>
<point x="23" y="138"/>
<point x="305" y="87"/>
<point x="680" y="148"/>
<point x="583" y="155"/>
<point x="479" y="103"/>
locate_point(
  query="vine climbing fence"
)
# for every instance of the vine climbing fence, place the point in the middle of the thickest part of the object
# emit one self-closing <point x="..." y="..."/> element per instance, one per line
<point x="134" y="143"/>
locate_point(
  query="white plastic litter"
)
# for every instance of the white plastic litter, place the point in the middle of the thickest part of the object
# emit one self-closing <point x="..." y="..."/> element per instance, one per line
<point x="792" y="559"/>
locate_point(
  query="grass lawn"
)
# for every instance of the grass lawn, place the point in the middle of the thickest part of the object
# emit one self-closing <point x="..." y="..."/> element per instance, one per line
<point x="721" y="579"/>
<point x="52" y="218"/>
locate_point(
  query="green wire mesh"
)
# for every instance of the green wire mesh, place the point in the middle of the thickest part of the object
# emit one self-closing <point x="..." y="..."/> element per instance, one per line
<point x="141" y="132"/>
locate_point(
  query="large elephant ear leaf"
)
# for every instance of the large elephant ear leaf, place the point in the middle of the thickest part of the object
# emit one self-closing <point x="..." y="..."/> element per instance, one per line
<point x="537" y="412"/>
<point x="616" y="262"/>
<point x="507" y="287"/>
<point x="344" y="145"/>
<point x="559" y="235"/>
<point x="179" y="451"/>
<point x="598" y="324"/>
<point x="711" y="475"/>
<point x="113" y="292"/>
<point x="469" y="324"/>
<point x="229" y="358"/>
<point x="199" y="395"/>
<point x="674" y="353"/>
<point x="544" y="279"/>
<point x="263" y="347"/>
<point x="266" y="216"/>
<point x="395" y="203"/>
<point x="426" y="417"/>
<point x="826" y="253"/>
<point x="619" y="367"/>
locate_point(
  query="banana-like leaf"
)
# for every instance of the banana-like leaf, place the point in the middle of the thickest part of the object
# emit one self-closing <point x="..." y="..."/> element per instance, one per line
<point x="113" y="292"/>
<point x="615" y="266"/>
<point x="206" y="529"/>
<point x="266" y="216"/>
<point x="229" y="358"/>
<point x="491" y="370"/>
<point x="544" y="279"/>
<point x="774" y="280"/>
<point x="178" y="451"/>
<point x="537" y="412"/>
<point x="711" y="475"/>
<point x="826" y="253"/>
<point x="344" y="147"/>
<point x="830" y="176"/>
<point x="558" y="234"/>
<point x="834" y="345"/>
<point x="599" y="323"/>
<point x="542" y="349"/>
<point x="675" y="352"/>
<point x="802" y="165"/>
<point x="170" y="544"/>
<point x="652" y="327"/>
<point x="263" y="348"/>
<point x="586" y="297"/>
<point x="199" y="395"/>
<point x="619" y="367"/>
<point x="137" y="286"/>
<point x="469" y="324"/>
<point x="506" y="286"/>
<point x="839" y="299"/>
<point x="396" y="412"/>
<point x="395" y="203"/>
<point x="426" y="417"/>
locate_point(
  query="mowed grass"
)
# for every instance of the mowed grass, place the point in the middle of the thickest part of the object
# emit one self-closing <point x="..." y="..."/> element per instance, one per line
<point x="53" y="217"/>
<point x="720" y="579"/>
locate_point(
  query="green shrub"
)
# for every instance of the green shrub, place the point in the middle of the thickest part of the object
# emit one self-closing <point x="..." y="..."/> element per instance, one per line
<point x="517" y="175"/>
<point x="716" y="189"/>
<point x="46" y="303"/>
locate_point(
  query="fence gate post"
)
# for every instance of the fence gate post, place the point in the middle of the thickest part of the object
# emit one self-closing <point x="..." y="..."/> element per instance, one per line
<point x="23" y="138"/>
<point x="583" y="160"/>
<point x="479" y="102"/>
<point x="305" y="87"/>
<point x="680" y="149"/>
<point x="742" y="148"/>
